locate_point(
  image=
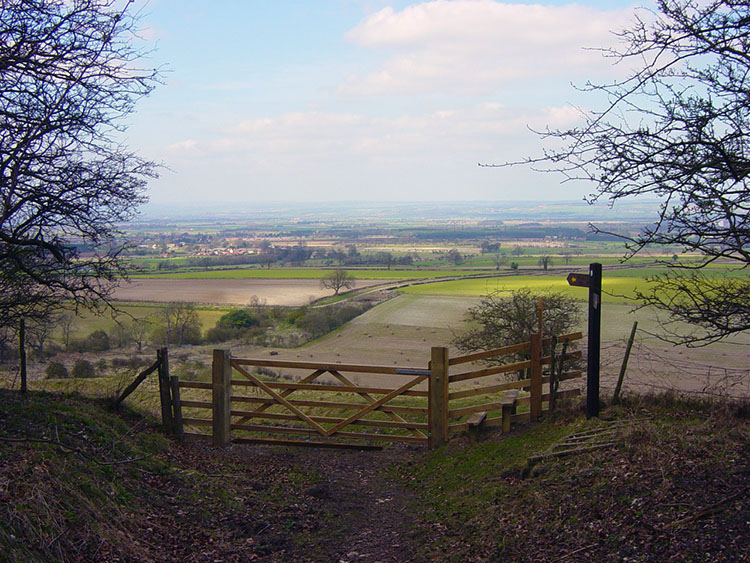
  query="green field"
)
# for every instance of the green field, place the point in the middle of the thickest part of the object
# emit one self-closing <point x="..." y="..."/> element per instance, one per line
<point x="618" y="288"/>
<point x="618" y="285"/>
<point x="86" y="322"/>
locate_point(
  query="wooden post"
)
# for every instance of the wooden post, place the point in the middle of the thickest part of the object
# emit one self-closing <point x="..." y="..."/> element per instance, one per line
<point x="174" y="384"/>
<point x="138" y="380"/>
<point x="536" y="376"/>
<point x="437" y="405"/>
<point x="222" y="393"/>
<point x="22" y="354"/>
<point x="595" y="331"/>
<point x="624" y="366"/>
<point x="164" y="391"/>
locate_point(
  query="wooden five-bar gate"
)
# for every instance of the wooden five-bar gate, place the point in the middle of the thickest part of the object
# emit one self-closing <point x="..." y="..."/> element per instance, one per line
<point x="332" y="406"/>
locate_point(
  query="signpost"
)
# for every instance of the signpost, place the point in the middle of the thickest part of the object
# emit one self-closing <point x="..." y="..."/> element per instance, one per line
<point x="592" y="280"/>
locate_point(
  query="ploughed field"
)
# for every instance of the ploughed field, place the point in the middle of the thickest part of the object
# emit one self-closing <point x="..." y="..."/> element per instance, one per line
<point x="292" y="292"/>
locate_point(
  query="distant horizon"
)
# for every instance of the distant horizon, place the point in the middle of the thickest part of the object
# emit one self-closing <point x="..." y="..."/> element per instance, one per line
<point x="386" y="100"/>
<point x="384" y="211"/>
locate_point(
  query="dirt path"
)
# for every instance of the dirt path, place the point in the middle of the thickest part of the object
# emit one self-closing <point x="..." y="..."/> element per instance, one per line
<point x="372" y="511"/>
<point x="308" y="504"/>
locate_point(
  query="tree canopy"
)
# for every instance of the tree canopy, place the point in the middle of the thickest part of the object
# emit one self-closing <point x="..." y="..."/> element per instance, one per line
<point x="500" y="320"/>
<point x="68" y="78"/>
<point x="337" y="280"/>
<point x="676" y="129"/>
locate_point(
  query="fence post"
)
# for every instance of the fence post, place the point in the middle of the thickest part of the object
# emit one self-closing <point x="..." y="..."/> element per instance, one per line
<point x="536" y="376"/>
<point x="174" y="384"/>
<point x="164" y="392"/>
<point x="437" y="400"/>
<point x="222" y="391"/>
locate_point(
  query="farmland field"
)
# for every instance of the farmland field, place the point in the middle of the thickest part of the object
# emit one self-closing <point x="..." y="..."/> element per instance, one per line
<point x="617" y="285"/>
<point x="227" y="291"/>
<point x="402" y="331"/>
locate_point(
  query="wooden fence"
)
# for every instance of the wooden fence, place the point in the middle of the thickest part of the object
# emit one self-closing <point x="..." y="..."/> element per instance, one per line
<point x="330" y="407"/>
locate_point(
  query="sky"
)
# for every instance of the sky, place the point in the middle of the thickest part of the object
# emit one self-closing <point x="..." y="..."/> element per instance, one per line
<point x="365" y="100"/>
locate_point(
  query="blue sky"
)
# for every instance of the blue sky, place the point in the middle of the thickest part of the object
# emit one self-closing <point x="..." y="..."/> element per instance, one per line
<point x="364" y="99"/>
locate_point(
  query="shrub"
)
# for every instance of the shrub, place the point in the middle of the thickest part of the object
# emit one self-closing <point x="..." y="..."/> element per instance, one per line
<point x="83" y="369"/>
<point x="56" y="370"/>
<point x="98" y="341"/>
<point x="239" y="323"/>
<point x="321" y="320"/>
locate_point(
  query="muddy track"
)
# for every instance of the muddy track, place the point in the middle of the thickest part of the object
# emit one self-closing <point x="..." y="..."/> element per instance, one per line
<point x="349" y="506"/>
<point x="372" y="513"/>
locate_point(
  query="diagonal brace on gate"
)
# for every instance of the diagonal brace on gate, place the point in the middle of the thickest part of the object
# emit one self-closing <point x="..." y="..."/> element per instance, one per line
<point x="370" y="399"/>
<point x="377" y="404"/>
<point x="301" y="415"/>
<point x="285" y="393"/>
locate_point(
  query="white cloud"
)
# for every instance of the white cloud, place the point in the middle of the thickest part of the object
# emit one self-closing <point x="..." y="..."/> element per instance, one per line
<point x="334" y="136"/>
<point x="475" y="46"/>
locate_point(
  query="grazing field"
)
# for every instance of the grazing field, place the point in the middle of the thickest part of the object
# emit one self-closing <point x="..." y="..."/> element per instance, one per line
<point x="227" y="291"/>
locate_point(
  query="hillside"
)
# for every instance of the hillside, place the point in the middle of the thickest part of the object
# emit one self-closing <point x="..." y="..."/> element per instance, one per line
<point x="80" y="483"/>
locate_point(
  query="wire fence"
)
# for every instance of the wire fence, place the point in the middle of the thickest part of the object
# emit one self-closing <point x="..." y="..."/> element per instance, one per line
<point x="661" y="368"/>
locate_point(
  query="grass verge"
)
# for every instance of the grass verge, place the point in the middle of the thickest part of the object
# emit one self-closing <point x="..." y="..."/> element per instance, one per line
<point x="676" y="486"/>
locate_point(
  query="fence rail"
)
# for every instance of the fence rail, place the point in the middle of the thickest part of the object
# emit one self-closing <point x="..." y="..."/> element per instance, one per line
<point x="329" y="406"/>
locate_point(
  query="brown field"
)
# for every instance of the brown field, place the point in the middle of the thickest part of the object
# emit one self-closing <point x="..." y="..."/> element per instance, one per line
<point x="292" y="292"/>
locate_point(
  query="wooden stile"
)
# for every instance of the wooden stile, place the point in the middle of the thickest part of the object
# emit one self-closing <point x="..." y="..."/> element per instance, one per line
<point x="562" y="338"/>
<point x="474" y="424"/>
<point x="508" y="408"/>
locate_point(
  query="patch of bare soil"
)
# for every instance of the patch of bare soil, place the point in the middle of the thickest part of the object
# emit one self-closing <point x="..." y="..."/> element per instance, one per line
<point x="297" y="504"/>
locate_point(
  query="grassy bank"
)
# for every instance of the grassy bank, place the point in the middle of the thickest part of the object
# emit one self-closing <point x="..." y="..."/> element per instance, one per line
<point x="83" y="483"/>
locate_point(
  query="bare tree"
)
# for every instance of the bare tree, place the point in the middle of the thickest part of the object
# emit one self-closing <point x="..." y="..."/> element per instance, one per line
<point x="39" y="332"/>
<point x="501" y="321"/>
<point x="66" y="324"/>
<point x="677" y="129"/>
<point x="545" y="261"/>
<point x="337" y="280"/>
<point x="68" y="77"/>
<point x="455" y="256"/>
<point x="133" y="330"/>
<point x="180" y="324"/>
